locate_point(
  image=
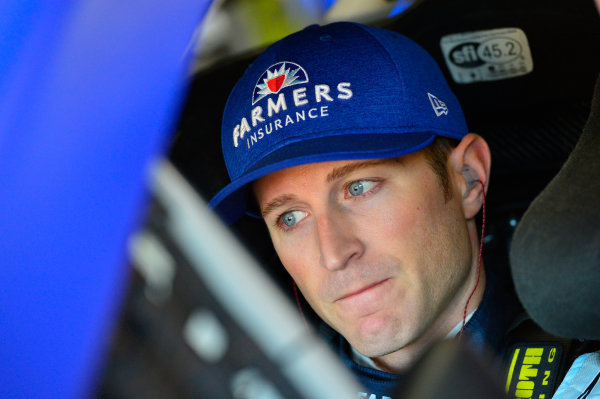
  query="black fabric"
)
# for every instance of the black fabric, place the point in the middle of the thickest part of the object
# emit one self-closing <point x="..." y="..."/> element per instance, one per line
<point x="451" y="370"/>
<point x="555" y="253"/>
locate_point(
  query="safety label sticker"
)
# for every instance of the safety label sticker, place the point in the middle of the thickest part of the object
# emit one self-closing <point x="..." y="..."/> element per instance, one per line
<point x="487" y="55"/>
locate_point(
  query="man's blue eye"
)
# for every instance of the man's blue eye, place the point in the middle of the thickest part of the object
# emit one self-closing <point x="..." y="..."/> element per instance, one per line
<point x="360" y="187"/>
<point x="291" y="218"/>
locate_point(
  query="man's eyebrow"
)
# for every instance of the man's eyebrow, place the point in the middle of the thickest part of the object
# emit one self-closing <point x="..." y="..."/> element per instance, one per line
<point x="335" y="174"/>
<point x="341" y="171"/>
<point x="277" y="202"/>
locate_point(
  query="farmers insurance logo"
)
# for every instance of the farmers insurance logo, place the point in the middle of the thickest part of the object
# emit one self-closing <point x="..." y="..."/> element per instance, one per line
<point x="280" y="109"/>
<point x="277" y="77"/>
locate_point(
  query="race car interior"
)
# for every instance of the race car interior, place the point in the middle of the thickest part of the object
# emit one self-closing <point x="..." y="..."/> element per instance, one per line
<point x="527" y="90"/>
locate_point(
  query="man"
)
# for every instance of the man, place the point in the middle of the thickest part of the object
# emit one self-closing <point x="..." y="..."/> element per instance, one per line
<point x="357" y="155"/>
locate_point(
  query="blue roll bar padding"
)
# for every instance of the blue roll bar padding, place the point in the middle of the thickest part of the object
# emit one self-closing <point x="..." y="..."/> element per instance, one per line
<point x="89" y="92"/>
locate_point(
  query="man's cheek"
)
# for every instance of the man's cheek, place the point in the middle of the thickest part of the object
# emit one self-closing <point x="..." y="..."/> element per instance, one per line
<point x="297" y="267"/>
<point x="398" y="222"/>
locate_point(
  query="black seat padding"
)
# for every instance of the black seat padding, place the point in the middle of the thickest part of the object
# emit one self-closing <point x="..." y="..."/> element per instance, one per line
<point x="555" y="253"/>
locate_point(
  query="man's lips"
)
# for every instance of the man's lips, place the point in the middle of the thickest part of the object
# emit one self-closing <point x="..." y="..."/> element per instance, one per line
<point x="361" y="290"/>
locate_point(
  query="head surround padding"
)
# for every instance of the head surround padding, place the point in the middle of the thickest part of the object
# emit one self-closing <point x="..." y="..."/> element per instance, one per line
<point x="555" y="254"/>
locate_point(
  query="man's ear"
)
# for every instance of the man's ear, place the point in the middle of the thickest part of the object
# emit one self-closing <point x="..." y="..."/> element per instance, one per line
<point x="470" y="164"/>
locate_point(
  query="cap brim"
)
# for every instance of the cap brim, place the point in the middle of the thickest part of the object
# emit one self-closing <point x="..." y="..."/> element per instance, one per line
<point x="230" y="202"/>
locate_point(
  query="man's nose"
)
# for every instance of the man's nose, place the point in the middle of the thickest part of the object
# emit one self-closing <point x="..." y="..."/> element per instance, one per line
<point x="338" y="242"/>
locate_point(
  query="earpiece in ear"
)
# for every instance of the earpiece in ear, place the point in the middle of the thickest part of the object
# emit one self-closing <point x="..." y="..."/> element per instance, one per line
<point x="471" y="179"/>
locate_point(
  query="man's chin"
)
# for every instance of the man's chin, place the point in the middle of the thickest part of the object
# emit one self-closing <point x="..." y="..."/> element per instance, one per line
<point x="376" y="342"/>
<point x="375" y="350"/>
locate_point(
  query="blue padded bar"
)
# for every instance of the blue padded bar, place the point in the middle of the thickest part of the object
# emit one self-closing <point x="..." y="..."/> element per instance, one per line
<point x="89" y="92"/>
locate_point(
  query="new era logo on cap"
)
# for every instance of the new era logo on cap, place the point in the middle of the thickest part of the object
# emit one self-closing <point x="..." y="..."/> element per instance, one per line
<point x="438" y="105"/>
<point x="278" y="76"/>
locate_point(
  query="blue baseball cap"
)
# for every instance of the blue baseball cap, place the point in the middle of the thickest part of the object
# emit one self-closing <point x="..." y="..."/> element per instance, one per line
<point x="341" y="91"/>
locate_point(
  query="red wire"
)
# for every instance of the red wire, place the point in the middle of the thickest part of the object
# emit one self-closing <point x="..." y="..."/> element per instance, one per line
<point x="478" y="262"/>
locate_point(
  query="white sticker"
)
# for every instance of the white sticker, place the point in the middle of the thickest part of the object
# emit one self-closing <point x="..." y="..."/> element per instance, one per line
<point x="487" y="55"/>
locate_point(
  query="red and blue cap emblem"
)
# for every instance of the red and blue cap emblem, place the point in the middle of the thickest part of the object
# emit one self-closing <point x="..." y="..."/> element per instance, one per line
<point x="277" y="77"/>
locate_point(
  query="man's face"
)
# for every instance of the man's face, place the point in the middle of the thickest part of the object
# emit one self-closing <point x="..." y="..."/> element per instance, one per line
<point x="377" y="250"/>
